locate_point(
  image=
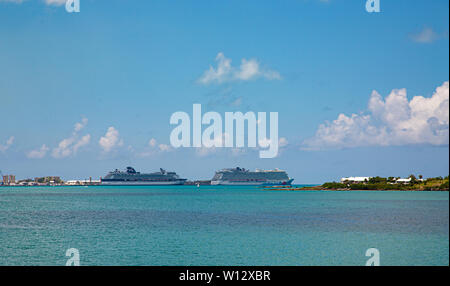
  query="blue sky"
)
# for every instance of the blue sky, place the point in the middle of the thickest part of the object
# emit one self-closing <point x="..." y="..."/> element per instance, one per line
<point x="130" y="64"/>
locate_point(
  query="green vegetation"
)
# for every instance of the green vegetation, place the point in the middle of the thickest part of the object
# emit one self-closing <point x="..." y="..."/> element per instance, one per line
<point x="47" y="180"/>
<point x="379" y="183"/>
<point x="334" y="185"/>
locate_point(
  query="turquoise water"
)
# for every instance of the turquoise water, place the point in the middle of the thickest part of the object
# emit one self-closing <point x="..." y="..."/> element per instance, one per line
<point x="221" y="226"/>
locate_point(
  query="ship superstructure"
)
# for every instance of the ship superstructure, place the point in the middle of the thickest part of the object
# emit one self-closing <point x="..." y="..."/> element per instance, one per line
<point x="131" y="177"/>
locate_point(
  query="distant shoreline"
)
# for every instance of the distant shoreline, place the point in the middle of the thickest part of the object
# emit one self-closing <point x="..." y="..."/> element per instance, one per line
<point x="359" y="187"/>
<point x="266" y="188"/>
<point x="320" y="188"/>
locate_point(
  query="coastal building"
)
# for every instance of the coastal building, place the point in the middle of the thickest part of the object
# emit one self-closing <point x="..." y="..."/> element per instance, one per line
<point x="83" y="182"/>
<point x="9" y="180"/>
<point x="27" y="183"/>
<point x="48" y="179"/>
<point x="403" y="181"/>
<point x="355" y="180"/>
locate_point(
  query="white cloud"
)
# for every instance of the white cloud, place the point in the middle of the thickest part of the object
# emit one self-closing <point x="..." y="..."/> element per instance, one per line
<point x="111" y="140"/>
<point x="392" y="121"/>
<point x="219" y="74"/>
<point x="282" y="142"/>
<point x="251" y="69"/>
<point x="154" y="148"/>
<point x="64" y="148"/>
<point x="82" y="142"/>
<point x="12" y="1"/>
<point x="264" y="143"/>
<point x="69" y="146"/>
<point x="8" y="144"/>
<point x="55" y="2"/>
<point x="248" y="70"/>
<point x="80" y="125"/>
<point x="164" y="147"/>
<point x="205" y="151"/>
<point x="46" y="2"/>
<point x="224" y="72"/>
<point x="427" y="35"/>
<point x="237" y="102"/>
<point x="215" y="141"/>
<point x="238" y="151"/>
<point x="38" y="154"/>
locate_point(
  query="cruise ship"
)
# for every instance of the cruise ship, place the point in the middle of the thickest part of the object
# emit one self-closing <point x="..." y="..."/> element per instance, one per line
<point x="132" y="178"/>
<point x="241" y="176"/>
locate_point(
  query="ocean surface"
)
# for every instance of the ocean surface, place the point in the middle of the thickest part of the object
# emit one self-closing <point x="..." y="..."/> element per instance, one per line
<point x="186" y="225"/>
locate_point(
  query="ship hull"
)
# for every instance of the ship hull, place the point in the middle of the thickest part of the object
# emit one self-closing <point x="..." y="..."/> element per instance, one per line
<point x="266" y="183"/>
<point x="141" y="183"/>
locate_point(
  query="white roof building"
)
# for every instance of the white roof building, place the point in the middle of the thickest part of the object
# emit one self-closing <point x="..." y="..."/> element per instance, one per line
<point x="404" y="181"/>
<point x="82" y="182"/>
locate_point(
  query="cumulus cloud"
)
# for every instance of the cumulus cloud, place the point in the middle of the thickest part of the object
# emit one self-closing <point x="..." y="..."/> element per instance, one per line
<point x="55" y="2"/>
<point x="164" y="147"/>
<point x="209" y="145"/>
<point x="425" y="36"/>
<point x="111" y="140"/>
<point x="81" y="125"/>
<point x="154" y="148"/>
<point x="47" y="2"/>
<point x="392" y="121"/>
<point x="205" y="151"/>
<point x="161" y="147"/>
<point x="264" y="143"/>
<point x="282" y="142"/>
<point x="8" y="144"/>
<point x="250" y="69"/>
<point x="12" y="1"/>
<point x="82" y="142"/>
<point x="39" y="153"/>
<point x="225" y="72"/>
<point x="69" y="146"/>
